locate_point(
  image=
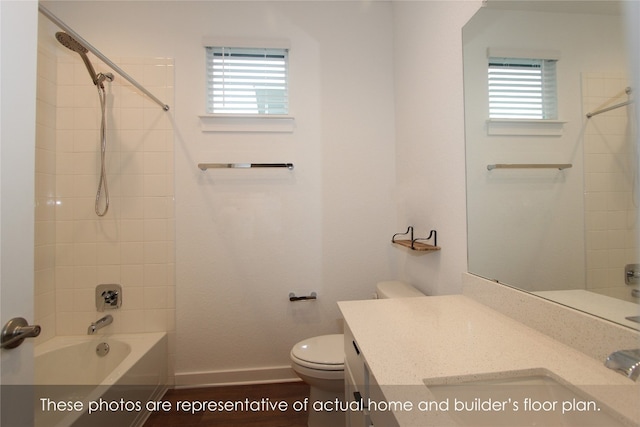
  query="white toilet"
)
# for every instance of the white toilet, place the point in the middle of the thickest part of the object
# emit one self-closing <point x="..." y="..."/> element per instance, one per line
<point x="319" y="361"/>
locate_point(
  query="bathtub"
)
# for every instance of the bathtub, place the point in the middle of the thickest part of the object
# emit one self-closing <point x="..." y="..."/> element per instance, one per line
<point x="77" y="385"/>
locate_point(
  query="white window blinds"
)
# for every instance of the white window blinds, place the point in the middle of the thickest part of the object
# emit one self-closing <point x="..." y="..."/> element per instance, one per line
<point x="247" y="81"/>
<point x="522" y="89"/>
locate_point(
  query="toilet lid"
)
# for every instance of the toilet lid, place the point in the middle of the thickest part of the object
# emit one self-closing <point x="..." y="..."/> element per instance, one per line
<point x="322" y="350"/>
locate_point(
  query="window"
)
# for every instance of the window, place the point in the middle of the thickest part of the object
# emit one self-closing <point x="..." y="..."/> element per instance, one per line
<point x="522" y="88"/>
<point x="250" y="81"/>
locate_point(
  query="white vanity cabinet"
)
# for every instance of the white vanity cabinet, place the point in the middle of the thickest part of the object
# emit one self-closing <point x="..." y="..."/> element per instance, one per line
<point x="361" y="385"/>
<point x="356" y="382"/>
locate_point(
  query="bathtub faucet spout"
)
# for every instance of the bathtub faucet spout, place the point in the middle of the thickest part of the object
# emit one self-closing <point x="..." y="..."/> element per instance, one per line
<point x="99" y="324"/>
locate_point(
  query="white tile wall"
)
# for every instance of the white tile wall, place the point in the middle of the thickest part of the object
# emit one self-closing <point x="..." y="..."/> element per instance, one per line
<point x="609" y="181"/>
<point x="133" y="243"/>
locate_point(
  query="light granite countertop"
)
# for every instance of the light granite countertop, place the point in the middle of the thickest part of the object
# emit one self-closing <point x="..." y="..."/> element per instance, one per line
<point x="407" y="340"/>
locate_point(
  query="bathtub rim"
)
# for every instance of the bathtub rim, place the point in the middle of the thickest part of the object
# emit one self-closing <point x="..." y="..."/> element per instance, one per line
<point x="144" y="340"/>
<point x="150" y="341"/>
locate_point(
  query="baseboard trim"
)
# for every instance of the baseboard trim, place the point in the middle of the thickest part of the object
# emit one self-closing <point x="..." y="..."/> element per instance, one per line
<point x="274" y="374"/>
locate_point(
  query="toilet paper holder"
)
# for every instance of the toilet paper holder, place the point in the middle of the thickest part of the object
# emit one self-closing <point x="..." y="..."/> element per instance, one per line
<point x="293" y="297"/>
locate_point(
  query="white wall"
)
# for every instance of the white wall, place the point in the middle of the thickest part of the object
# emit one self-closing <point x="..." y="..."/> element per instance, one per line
<point x="245" y="239"/>
<point x="430" y="146"/>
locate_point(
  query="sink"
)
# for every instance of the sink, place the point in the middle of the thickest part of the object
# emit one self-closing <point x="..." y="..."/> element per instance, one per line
<point x="531" y="397"/>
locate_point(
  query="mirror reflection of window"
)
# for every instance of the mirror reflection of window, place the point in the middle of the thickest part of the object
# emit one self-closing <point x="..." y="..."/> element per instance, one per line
<point x="522" y="88"/>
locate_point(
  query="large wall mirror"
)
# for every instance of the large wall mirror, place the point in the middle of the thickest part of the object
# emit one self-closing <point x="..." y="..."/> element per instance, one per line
<point x="560" y="219"/>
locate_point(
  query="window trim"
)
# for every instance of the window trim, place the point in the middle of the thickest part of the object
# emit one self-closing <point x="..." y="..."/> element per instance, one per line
<point x="524" y="127"/>
<point x="246" y="123"/>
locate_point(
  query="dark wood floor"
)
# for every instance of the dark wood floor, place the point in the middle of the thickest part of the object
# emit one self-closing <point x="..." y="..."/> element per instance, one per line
<point x="257" y="396"/>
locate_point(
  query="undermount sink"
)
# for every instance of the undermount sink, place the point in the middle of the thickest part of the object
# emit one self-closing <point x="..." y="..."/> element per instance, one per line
<point x="532" y="397"/>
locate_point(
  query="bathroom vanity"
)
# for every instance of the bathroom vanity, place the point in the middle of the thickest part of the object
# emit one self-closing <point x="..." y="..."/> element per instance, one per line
<point x="402" y="356"/>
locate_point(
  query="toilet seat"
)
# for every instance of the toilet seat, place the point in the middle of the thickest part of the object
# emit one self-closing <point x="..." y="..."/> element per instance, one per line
<point x="325" y="353"/>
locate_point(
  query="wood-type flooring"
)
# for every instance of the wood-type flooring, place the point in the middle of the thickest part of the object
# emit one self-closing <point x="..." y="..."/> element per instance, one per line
<point x="260" y="405"/>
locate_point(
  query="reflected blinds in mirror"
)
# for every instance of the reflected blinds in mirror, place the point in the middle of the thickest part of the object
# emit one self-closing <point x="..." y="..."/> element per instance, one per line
<point x="521" y="88"/>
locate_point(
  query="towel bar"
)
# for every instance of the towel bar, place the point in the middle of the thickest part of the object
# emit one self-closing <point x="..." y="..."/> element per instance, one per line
<point x="560" y="166"/>
<point x="205" y="166"/>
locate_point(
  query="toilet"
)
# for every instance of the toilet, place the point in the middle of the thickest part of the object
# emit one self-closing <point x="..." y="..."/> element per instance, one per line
<point x="319" y="362"/>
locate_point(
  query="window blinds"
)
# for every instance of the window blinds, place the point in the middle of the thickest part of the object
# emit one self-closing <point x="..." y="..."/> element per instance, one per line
<point x="522" y="88"/>
<point x="247" y="81"/>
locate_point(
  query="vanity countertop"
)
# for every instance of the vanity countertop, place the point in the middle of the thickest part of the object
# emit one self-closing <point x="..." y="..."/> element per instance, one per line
<point x="407" y="340"/>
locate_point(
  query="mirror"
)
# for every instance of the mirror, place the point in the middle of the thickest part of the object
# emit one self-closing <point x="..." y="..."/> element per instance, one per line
<point x="563" y="233"/>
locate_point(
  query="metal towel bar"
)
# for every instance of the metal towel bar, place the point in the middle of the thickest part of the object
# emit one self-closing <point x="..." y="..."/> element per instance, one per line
<point x="205" y="166"/>
<point x="559" y="166"/>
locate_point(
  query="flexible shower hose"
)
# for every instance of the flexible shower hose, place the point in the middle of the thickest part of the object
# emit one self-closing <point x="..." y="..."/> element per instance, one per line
<point x="103" y="188"/>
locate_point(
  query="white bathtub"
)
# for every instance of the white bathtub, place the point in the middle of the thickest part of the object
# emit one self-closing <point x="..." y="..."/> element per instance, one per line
<point x="72" y="379"/>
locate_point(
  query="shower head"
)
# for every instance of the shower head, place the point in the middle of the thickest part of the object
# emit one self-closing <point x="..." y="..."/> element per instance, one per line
<point x="70" y="43"/>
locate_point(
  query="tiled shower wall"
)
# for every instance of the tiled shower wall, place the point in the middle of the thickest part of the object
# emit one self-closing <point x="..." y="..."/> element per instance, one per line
<point x="133" y="244"/>
<point x="611" y="178"/>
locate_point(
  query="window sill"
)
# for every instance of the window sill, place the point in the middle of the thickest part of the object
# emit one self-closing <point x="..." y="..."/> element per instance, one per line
<point x="518" y="127"/>
<point x="246" y="123"/>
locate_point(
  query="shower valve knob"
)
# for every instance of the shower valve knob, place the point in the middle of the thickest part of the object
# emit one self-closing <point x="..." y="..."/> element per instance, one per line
<point x="108" y="296"/>
<point x="632" y="274"/>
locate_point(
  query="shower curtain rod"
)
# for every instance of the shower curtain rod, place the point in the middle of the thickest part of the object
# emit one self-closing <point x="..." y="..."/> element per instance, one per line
<point x="613" y="107"/>
<point x="97" y="53"/>
<point x="627" y="90"/>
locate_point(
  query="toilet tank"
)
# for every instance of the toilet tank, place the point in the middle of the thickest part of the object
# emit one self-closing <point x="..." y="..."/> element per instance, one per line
<point x="396" y="289"/>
